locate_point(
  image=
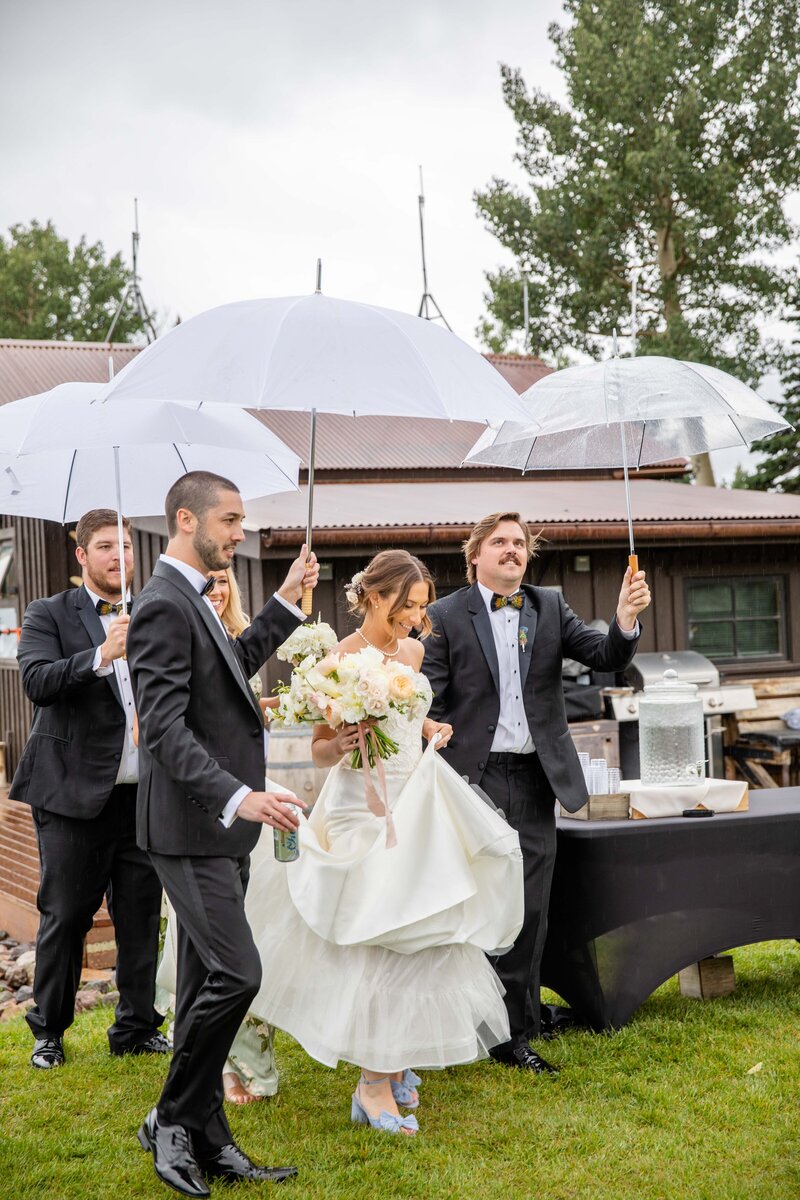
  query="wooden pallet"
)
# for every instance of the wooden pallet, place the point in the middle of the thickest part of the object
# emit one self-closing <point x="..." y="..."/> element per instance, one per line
<point x="759" y="747"/>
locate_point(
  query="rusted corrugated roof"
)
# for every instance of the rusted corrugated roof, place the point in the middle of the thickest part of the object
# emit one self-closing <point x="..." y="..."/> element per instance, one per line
<point x="553" y="503"/>
<point x="28" y="367"/>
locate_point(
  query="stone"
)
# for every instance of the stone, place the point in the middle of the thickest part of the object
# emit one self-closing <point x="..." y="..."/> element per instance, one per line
<point x="21" y="948"/>
<point x="16" y="976"/>
<point x="10" y="942"/>
<point x="109" y="998"/>
<point x="3" y="935"/>
<point x="11" y="1009"/>
<point x="86" y="1000"/>
<point x="24" y="993"/>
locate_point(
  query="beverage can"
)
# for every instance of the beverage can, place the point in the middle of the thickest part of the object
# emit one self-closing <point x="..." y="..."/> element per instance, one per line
<point x="287" y="842"/>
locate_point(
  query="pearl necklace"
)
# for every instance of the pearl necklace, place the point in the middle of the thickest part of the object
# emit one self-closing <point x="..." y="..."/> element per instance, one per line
<point x="385" y="653"/>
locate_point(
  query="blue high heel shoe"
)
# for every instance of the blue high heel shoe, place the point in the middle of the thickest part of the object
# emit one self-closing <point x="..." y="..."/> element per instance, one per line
<point x="384" y="1121"/>
<point x="403" y="1089"/>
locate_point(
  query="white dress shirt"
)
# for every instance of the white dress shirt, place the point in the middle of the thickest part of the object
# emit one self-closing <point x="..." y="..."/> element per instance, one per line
<point x="512" y="733"/>
<point x="129" y="763"/>
<point x="198" y="581"/>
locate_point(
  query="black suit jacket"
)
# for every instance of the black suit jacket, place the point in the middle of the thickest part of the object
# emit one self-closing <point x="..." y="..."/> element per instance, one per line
<point x="201" y="731"/>
<point x="71" y="759"/>
<point x="461" y="664"/>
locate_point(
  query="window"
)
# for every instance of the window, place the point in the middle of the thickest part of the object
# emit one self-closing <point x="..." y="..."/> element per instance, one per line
<point x="737" y="618"/>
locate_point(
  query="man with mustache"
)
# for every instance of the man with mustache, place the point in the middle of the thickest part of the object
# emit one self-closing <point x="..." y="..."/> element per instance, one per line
<point x="494" y="664"/>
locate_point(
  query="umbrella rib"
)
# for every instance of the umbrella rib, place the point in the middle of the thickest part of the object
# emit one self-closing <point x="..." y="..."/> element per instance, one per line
<point x="69" y="485"/>
<point x="180" y="458"/>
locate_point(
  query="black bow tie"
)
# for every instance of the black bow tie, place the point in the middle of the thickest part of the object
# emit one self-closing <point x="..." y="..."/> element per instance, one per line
<point x="106" y="609"/>
<point x="209" y="585"/>
<point x="515" y="600"/>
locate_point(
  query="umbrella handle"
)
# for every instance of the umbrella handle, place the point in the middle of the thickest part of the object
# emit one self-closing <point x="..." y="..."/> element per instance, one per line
<point x="633" y="563"/>
<point x="307" y="601"/>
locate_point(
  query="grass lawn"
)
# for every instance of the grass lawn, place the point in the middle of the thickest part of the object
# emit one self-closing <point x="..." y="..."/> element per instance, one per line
<point x="666" y="1109"/>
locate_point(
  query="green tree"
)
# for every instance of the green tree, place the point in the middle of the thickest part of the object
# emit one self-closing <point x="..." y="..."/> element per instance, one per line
<point x="779" y="470"/>
<point x="51" y="291"/>
<point x="673" y="157"/>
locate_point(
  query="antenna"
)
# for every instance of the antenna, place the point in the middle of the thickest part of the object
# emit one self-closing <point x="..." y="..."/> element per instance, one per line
<point x="428" y="308"/>
<point x="133" y="288"/>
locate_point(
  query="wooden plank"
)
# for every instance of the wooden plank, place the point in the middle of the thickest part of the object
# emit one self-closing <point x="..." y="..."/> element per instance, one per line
<point x="769" y="708"/>
<point x="766" y="688"/>
<point x="760" y="774"/>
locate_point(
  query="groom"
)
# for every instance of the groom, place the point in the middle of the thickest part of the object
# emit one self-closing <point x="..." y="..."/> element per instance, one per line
<point x="201" y="805"/>
<point x="494" y="665"/>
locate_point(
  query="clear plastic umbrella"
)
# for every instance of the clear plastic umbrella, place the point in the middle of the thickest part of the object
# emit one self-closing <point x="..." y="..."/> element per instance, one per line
<point x="627" y="412"/>
<point x="317" y="354"/>
<point x="64" y="451"/>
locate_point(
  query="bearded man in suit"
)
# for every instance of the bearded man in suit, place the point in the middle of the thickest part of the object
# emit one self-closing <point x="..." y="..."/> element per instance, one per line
<point x="79" y="772"/>
<point x="201" y="808"/>
<point x="494" y="665"/>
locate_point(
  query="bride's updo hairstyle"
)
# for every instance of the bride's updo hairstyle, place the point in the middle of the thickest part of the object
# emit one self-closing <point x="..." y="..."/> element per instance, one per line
<point x="390" y="573"/>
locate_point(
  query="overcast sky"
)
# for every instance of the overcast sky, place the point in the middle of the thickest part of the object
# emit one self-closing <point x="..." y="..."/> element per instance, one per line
<point x="260" y="135"/>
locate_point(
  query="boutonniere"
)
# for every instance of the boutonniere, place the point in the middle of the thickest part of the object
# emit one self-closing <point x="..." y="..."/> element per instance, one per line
<point x="523" y="637"/>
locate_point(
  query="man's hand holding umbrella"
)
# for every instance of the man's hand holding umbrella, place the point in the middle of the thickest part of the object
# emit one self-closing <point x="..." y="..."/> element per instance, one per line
<point x="634" y="598"/>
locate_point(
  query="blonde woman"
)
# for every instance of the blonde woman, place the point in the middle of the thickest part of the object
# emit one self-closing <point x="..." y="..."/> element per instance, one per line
<point x="250" y="1073"/>
<point x="377" y="956"/>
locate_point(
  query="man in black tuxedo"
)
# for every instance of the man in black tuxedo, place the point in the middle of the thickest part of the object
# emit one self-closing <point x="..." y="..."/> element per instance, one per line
<point x="78" y="772"/>
<point x="201" y="808"/>
<point x="494" y="665"/>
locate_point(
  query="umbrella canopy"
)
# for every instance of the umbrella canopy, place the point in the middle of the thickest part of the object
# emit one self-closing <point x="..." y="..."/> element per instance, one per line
<point x="315" y="353"/>
<point x="65" y="451"/>
<point x="628" y="412"/>
<point x="664" y="408"/>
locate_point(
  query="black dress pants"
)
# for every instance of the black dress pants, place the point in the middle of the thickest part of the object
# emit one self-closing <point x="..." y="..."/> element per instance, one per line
<point x="518" y="785"/>
<point x="81" y="861"/>
<point x="219" y="974"/>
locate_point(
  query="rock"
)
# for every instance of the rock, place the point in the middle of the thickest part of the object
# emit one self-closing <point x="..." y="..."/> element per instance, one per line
<point x="10" y="942"/>
<point x="10" y="1010"/>
<point x="86" y="1000"/>
<point x="109" y="998"/>
<point x="25" y="959"/>
<point x="3" y="935"/>
<point x="24" y="993"/>
<point x="96" y="985"/>
<point x="22" y="948"/>
<point x="15" y="976"/>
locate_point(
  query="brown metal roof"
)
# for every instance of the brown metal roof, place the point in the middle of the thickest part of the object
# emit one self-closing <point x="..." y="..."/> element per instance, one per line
<point x="576" y="508"/>
<point x="28" y="367"/>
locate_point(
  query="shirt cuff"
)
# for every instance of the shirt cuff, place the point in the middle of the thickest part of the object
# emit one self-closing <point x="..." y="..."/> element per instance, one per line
<point x="228" y="814"/>
<point x="630" y="634"/>
<point x="297" y="612"/>
<point x="98" y="670"/>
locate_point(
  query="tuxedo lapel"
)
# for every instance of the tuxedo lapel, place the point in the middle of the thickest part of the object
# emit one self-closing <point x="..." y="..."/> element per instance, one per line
<point x="214" y="627"/>
<point x="483" y="629"/>
<point x="528" y="617"/>
<point x="94" y="627"/>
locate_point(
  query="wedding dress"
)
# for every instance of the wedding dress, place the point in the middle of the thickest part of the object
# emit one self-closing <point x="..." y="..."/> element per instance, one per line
<point x="377" y="956"/>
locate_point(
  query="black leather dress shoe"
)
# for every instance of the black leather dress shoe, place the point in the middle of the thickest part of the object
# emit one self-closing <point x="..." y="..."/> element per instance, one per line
<point x="173" y="1158"/>
<point x="157" y="1044"/>
<point x="48" y="1052"/>
<point x="231" y="1163"/>
<point x="526" y="1060"/>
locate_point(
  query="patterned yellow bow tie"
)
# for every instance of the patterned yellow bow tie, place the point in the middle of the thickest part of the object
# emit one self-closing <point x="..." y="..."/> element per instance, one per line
<point x="516" y="600"/>
<point x="105" y="609"/>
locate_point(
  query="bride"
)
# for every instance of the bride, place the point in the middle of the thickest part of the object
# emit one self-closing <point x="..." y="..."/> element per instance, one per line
<point x="376" y="955"/>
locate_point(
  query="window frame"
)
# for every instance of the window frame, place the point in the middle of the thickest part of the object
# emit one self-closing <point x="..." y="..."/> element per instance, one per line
<point x="781" y="618"/>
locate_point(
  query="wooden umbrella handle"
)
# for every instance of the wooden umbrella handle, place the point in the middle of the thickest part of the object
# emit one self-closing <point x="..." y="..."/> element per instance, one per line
<point x="307" y="601"/>
<point x="633" y="563"/>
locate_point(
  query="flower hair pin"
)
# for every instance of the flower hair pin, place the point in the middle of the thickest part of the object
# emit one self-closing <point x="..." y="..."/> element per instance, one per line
<point x="523" y="637"/>
<point x="354" y="590"/>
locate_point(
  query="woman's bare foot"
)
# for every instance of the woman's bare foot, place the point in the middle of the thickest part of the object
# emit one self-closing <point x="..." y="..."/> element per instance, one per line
<point x="236" y="1092"/>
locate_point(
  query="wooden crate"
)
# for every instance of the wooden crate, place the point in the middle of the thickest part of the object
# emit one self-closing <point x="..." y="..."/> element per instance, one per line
<point x="709" y="978"/>
<point x="759" y="747"/>
<point x="614" y="807"/>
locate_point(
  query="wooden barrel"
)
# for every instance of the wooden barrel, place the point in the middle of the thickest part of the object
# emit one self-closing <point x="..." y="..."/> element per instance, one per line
<point x="289" y="762"/>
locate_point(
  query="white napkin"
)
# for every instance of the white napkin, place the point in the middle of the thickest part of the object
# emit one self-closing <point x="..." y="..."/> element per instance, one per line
<point x="720" y="795"/>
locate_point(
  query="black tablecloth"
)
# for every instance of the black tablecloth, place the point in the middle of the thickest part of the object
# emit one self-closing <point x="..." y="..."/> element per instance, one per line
<point x="635" y="901"/>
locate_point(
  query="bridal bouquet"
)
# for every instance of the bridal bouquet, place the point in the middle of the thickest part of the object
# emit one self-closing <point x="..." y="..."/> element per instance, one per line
<point x="311" y="642"/>
<point x="353" y="689"/>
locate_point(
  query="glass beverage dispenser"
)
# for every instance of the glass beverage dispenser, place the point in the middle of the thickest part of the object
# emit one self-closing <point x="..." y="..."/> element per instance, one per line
<point x="671" y="733"/>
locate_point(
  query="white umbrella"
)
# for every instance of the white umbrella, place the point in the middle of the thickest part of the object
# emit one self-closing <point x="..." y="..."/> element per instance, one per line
<point x="65" y="451"/>
<point x="627" y="412"/>
<point x="316" y="354"/>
